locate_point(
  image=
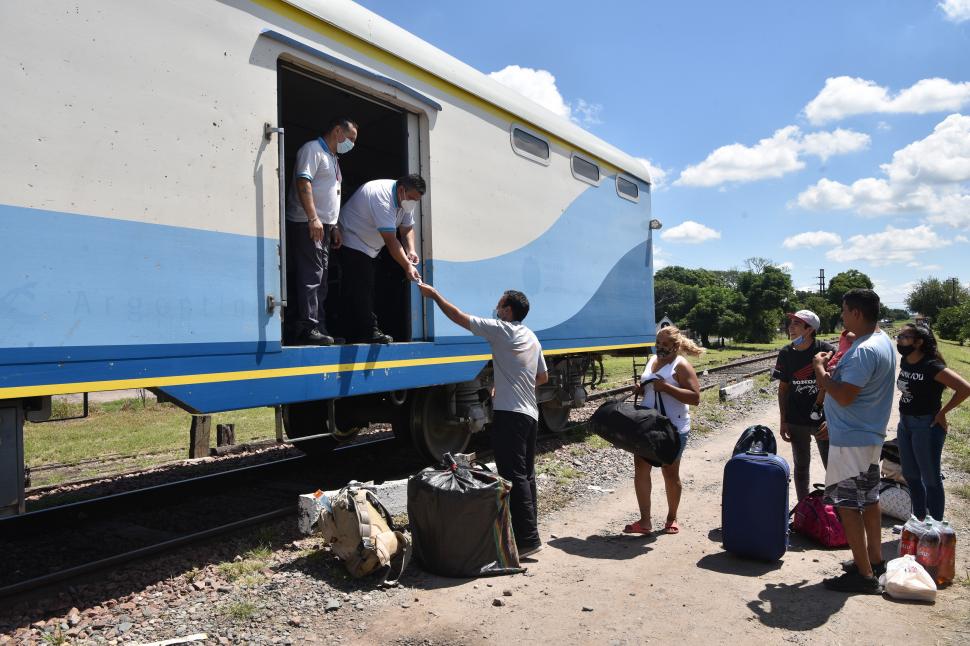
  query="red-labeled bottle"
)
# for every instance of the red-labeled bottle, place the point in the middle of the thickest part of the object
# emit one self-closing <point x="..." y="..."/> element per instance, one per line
<point x="948" y="553"/>
<point x="928" y="549"/>
<point x="909" y="538"/>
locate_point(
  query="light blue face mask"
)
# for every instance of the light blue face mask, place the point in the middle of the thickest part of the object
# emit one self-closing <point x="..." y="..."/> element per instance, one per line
<point x="798" y="341"/>
<point x="345" y="146"/>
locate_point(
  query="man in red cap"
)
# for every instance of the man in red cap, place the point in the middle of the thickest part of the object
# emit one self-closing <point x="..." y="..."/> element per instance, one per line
<point x="797" y="392"/>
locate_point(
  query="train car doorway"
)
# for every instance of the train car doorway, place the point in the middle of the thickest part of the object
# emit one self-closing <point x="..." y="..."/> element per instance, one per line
<point x="307" y="103"/>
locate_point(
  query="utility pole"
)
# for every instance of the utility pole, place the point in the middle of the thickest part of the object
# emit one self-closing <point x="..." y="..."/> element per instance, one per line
<point x="821" y="282"/>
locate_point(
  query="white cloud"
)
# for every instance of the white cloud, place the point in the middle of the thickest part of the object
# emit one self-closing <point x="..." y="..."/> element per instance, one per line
<point x="843" y="96"/>
<point x="537" y="85"/>
<point x="658" y="175"/>
<point x="955" y="10"/>
<point x="772" y="157"/>
<point x="887" y="247"/>
<point x="786" y="266"/>
<point x="892" y="294"/>
<point x="928" y="176"/>
<point x="540" y="86"/>
<point x="961" y="239"/>
<point x="812" y="239"/>
<point x="586" y="113"/>
<point x="837" y="142"/>
<point x="690" y="232"/>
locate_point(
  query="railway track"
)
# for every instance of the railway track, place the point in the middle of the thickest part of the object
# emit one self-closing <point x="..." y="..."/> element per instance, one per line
<point x="129" y="526"/>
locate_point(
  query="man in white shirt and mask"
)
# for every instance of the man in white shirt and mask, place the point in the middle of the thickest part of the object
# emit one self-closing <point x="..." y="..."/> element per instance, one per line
<point x="369" y="221"/>
<point x="312" y="208"/>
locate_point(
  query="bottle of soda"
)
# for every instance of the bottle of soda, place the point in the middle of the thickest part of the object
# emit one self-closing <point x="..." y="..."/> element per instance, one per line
<point x="948" y="551"/>
<point x="909" y="538"/>
<point x="928" y="549"/>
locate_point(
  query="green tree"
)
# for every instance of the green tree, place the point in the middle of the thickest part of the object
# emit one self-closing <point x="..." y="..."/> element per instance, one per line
<point x="768" y="294"/>
<point x="828" y="314"/>
<point x="949" y="322"/>
<point x="931" y="295"/>
<point x="673" y="299"/>
<point x="843" y="282"/>
<point x="718" y="311"/>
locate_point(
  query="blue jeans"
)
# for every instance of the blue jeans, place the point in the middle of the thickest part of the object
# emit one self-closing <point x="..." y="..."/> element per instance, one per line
<point x="920" y="449"/>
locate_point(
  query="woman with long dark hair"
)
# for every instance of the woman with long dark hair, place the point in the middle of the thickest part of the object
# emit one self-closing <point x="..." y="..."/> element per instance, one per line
<point x="923" y="376"/>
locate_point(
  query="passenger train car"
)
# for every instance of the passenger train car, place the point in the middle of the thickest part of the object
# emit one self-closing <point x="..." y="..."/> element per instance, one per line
<point x="147" y="154"/>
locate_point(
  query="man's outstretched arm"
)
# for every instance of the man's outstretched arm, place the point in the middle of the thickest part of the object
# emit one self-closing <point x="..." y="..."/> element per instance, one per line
<point x="452" y="312"/>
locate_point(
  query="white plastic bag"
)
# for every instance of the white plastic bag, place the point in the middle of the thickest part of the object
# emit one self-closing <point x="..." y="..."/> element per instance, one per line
<point x="907" y="579"/>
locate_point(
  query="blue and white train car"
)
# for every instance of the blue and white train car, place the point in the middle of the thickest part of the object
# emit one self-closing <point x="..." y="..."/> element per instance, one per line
<point x="147" y="149"/>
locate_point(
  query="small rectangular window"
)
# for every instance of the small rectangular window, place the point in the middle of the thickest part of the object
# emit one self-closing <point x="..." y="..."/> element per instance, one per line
<point x="627" y="189"/>
<point x="528" y="145"/>
<point x="585" y="170"/>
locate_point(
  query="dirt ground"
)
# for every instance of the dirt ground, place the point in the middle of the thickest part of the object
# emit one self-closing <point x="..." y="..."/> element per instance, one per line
<point x="593" y="585"/>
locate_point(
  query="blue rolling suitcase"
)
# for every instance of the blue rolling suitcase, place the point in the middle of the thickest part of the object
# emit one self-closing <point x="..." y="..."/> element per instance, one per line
<point x="754" y="505"/>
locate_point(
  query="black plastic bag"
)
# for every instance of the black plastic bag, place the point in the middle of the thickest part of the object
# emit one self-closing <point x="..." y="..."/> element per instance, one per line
<point x="460" y="522"/>
<point x="756" y="435"/>
<point x="641" y="431"/>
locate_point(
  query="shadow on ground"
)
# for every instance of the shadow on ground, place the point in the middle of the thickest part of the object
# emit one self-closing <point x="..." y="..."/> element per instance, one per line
<point x="595" y="546"/>
<point x="796" y="606"/>
<point x="727" y="563"/>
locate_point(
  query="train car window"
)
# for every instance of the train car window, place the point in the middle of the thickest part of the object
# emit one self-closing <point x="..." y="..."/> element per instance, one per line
<point x="530" y="146"/>
<point x="627" y="190"/>
<point x="586" y="171"/>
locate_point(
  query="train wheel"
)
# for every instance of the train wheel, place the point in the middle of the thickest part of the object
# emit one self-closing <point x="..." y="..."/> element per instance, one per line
<point x="308" y="418"/>
<point x="431" y="431"/>
<point x="554" y="418"/>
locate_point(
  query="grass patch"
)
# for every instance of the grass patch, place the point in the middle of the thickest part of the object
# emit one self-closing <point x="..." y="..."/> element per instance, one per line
<point x="241" y="610"/>
<point x="160" y="432"/>
<point x="259" y="553"/>
<point x="561" y="473"/>
<point x="963" y="491"/>
<point x="957" y="447"/>
<point x="246" y="568"/>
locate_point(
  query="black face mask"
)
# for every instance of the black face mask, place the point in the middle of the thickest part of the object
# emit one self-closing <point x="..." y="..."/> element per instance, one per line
<point x="905" y="349"/>
<point x="662" y="353"/>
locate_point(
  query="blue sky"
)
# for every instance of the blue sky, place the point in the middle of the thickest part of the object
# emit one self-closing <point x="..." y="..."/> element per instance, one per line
<point x="829" y="134"/>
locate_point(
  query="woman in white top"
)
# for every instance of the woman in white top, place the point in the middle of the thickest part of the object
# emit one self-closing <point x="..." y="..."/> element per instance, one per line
<point x="669" y="383"/>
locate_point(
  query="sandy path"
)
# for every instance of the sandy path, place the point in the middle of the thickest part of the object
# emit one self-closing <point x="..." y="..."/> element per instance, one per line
<point x="666" y="588"/>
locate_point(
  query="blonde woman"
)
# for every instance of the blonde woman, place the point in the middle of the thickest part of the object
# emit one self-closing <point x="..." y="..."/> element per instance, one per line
<point x="669" y="384"/>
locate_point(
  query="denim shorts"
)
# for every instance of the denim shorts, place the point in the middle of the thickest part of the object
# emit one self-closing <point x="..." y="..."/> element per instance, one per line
<point x="683" y="444"/>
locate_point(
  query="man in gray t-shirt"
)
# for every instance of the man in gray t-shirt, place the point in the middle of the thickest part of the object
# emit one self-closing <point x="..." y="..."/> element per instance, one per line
<point x="519" y="367"/>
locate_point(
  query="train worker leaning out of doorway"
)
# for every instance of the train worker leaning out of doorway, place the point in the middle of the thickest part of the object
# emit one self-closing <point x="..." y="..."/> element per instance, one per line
<point x="312" y="208"/>
<point x="371" y="220"/>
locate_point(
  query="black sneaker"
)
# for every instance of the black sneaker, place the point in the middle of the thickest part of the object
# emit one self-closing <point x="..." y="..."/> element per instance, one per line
<point x="854" y="583"/>
<point x="379" y="337"/>
<point x="337" y="340"/>
<point x="878" y="569"/>
<point x="314" y="336"/>
<point x="527" y="551"/>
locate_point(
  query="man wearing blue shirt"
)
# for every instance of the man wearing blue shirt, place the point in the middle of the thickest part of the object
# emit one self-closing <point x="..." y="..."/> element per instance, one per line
<point x="858" y="402"/>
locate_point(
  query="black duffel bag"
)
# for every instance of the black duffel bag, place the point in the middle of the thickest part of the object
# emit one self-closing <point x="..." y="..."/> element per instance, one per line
<point x="642" y="431"/>
<point x="460" y="521"/>
<point x="752" y="437"/>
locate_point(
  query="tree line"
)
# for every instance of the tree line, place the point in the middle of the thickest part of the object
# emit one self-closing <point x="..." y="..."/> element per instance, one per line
<point x="748" y="305"/>
<point x="946" y="303"/>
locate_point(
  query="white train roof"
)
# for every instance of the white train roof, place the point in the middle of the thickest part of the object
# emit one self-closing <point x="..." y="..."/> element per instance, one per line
<point x="368" y="26"/>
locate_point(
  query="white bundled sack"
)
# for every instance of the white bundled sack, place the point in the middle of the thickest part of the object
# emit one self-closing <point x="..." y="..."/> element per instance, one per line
<point x="907" y="579"/>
